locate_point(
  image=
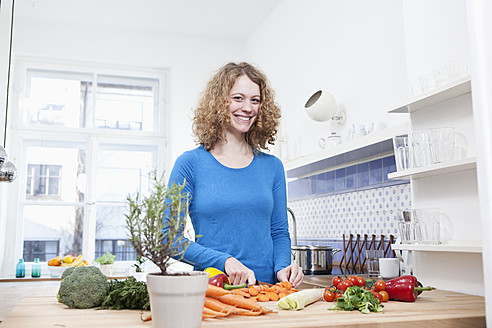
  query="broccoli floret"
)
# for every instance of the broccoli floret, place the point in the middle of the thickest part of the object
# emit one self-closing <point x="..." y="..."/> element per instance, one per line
<point x="82" y="287"/>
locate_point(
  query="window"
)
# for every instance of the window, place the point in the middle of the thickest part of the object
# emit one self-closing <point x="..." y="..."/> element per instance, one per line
<point x="43" y="180"/>
<point x="88" y="137"/>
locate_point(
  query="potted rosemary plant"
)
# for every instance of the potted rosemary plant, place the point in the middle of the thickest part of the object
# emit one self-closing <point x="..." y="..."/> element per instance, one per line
<point x="156" y="226"/>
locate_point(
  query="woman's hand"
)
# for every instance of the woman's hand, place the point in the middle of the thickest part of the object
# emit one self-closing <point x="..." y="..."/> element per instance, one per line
<point x="293" y="274"/>
<point x="238" y="273"/>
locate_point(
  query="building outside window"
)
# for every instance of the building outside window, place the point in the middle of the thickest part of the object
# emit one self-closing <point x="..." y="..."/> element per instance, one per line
<point x="89" y="137"/>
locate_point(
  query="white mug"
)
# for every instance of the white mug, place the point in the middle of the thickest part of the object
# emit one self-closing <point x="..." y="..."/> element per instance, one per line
<point x="330" y="141"/>
<point x="389" y="267"/>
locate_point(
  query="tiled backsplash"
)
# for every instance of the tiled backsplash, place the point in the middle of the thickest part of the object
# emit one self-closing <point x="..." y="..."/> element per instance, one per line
<point x="369" y="212"/>
<point x="357" y="199"/>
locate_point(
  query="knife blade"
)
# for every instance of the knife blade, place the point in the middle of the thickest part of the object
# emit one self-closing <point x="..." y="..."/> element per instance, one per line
<point x="258" y="282"/>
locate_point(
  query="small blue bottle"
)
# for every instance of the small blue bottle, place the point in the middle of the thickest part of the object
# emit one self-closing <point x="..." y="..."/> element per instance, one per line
<point x="36" y="269"/>
<point x="20" y="270"/>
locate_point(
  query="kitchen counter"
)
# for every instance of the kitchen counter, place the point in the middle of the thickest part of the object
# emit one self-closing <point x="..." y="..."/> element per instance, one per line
<point x="443" y="308"/>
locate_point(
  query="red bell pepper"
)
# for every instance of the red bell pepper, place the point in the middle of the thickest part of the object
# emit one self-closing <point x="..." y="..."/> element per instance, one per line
<point x="404" y="288"/>
<point x="219" y="280"/>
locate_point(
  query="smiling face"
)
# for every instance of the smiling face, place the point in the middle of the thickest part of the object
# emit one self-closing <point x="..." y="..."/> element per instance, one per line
<point x="244" y="106"/>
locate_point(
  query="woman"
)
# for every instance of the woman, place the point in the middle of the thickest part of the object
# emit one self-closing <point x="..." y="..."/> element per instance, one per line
<point x="238" y="205"/>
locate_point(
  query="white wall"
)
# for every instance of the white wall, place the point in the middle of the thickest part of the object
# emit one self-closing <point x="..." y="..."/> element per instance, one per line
<point x="436" y="33"/>
<point x="354" y="49"/>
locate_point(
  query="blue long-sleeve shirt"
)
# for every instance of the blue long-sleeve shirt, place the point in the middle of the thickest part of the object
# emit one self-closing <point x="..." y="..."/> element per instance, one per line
<point x="236" y="212"/>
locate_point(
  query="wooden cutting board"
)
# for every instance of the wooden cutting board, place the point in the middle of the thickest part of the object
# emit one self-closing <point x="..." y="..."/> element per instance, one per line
<point x="432" y="309"/>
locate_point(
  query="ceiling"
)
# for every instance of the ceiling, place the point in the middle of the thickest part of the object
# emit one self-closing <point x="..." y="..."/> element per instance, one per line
<point x="225" y="19"/>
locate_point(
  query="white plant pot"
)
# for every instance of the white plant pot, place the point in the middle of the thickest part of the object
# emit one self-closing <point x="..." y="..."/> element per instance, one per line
<point x="106" y="269"/>
<point x="176" y="301"/>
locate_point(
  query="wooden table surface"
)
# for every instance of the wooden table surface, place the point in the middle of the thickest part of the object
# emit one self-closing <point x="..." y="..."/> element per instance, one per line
<point x="432" y="309"/>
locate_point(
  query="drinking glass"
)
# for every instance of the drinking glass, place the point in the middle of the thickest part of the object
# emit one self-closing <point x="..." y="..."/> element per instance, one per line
<point x="373" y="256"/>
<point x="429" y="223"/>
<point x="408" y="227"/>
<point x="402" y="149"/>
<point x="441" y="142"/>
<point x="419" y="148"/>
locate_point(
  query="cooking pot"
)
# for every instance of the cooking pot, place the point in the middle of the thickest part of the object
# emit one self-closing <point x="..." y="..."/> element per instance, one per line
<point x="314" y="259"/>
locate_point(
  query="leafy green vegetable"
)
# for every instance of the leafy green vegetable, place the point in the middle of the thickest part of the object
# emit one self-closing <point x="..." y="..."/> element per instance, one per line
<point x="126" y="294"/>
<point x="357" y="298"/>
<point x="107" y="258"/>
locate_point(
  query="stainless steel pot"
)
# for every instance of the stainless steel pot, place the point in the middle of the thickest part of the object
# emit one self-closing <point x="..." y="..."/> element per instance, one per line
<point x="314" y="259"/>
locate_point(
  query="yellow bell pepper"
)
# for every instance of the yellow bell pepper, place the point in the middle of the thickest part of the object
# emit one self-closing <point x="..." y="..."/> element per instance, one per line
<point x="213" y="272"/>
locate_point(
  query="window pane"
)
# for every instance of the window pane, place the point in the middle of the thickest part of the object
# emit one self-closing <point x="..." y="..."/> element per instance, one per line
<point x="52" y="229"/>
<point x="57" y="98"/>
<point x="126" y="103"/>
<point x="111" y="234"/>
<point x="121" y="170"/>
<point x="55" y="172"/>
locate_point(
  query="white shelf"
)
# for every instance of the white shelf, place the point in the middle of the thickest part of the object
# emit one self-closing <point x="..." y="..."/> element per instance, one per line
<point x="449" y="91"/>
<point x="455" y="247"/>
<point x="436" y="169"/>
<point x="371" y="145"/>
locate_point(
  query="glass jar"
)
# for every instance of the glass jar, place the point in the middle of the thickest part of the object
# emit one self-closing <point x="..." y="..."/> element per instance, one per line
<point x="20" y="269"/>
<point x="36" y="269"/>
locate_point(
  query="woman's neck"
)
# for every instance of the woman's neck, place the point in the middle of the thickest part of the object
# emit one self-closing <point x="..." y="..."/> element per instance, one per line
<point x="235" y="153"/>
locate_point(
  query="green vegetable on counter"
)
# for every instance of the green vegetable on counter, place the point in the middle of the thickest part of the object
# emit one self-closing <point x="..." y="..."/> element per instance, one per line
<point x="357" y="298"/>
<point x="82" y="287"/>
<point x="126" y="294"/>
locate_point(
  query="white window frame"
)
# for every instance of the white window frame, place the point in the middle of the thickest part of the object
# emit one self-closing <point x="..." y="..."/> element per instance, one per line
<point x="19" y="132"/>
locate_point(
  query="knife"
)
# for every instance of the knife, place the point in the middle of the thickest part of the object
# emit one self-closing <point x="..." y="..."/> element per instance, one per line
<point x="263" y="283"/>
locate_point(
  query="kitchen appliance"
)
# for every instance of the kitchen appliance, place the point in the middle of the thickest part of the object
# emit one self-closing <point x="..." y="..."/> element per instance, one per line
<point x="313" y="259"/>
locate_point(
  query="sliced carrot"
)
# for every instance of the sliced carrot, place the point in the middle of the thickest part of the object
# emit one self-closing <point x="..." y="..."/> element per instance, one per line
<point x="214" y="291"/>
<point x="263" y="298"/>
<point x="281" y="295"/>
<point x="285" y="284"/>
<point x="272" y="296"/>
<point x="253" y="291"/>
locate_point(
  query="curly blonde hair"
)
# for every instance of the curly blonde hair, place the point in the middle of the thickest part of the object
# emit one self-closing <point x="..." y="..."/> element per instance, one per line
<point x="211" y="117"/>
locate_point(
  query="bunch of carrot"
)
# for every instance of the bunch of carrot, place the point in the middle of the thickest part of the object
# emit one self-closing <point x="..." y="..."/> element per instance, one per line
<point x="264" y="293"/>
<point x="222" y="303"/>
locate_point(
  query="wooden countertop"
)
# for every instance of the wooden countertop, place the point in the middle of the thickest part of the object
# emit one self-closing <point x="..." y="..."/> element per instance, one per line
<point x="441" y="308"/>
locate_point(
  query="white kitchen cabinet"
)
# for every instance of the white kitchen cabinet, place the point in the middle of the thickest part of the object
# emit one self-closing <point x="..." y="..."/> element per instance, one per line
<point x="451" y="187"/>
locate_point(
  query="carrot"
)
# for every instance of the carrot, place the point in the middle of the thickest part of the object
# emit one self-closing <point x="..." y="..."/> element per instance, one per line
<point x="285" y="284"/>
<point x="272" y="296"/>
<point x="145" y="316"/>
<point x="263" y="298"/>
<point x="239" y="301"/>
<point x="214" y="291"/>
<point x="253" y="291"/>
<point x="209" y="312"/>
<point x="219" y="306"/>
<point x="280" y="295"/>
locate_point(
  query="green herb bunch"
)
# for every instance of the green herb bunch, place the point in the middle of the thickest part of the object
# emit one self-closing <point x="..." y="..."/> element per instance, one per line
<point x="357" y="298"/>
<point x="126" y="294"/>
<point x="156" y="222"/>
